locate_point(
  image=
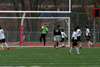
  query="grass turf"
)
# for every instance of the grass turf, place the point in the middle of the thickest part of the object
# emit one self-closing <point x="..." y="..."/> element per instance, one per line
<point x="50" y="57"/>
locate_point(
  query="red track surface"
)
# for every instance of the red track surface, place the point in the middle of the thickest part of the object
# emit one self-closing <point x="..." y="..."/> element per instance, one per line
<point x="48" y="44"/>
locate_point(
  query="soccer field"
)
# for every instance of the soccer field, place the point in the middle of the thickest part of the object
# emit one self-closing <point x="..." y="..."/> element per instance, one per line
<point x="49" y="57"/>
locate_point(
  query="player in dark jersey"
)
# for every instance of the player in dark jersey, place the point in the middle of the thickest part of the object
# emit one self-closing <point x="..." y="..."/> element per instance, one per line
<point x="57" y="36"/>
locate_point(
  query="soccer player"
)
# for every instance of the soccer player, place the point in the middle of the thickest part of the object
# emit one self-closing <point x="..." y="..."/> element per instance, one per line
<point x="57" y="36"/>
<point x="2" y="39"/>
<point x="63" y="36"/>
<point x="78" y="36"/>
<point x="74" y="42"/>
<point x="44" y="31"/>
<point x="88" y="35"/>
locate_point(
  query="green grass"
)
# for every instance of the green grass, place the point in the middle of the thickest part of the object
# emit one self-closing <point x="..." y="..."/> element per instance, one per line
<point x="50" y="57"/>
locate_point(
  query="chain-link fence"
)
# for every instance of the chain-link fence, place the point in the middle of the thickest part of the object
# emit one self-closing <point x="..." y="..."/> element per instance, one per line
<point x="32" y="27"/>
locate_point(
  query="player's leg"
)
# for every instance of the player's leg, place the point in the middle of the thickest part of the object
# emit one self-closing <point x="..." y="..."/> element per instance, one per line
<point x="1" y="44"/>
<point x="77" y="48"/>
<point x="90" y="42"/>
<point x="44" y="39"/>
<point x="61" y="42"/>
<point x="41" y="36"/>
<point x="55" y="40"/>
<point x="87" y="38"/>
<point x="2" y="47"/>
<point x="79" y="42"/>
<point x="71" y="48"/>
<point x="6" y="45"/>
<point x="58" y="40"/>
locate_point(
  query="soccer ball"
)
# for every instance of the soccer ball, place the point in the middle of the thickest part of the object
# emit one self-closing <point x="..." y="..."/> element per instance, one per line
<point x="42" y="27"/>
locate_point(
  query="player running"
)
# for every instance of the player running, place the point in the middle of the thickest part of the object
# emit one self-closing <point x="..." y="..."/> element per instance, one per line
<point x="78" y="36"/>
<point x="88" y="36"/>
<point x="2" y="39"/>
<point x="74" y="42"/>
<point x="57" y="36"/>
<point x="63" y="36"/>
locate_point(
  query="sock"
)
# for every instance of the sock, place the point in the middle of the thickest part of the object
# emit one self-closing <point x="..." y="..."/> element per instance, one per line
<point x="6" y="45"/>
<point x="77" y="50"/>
<point x="80" y="45"/>
<point x="2" y="47"/>
<point x="88" y="45"/>
<point x="70" y="51"/>
<point x="62" y="44"/>
<point x="90" y="42"/>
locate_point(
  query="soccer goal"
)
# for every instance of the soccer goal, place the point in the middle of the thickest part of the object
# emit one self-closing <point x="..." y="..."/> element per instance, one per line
<point x="25" y="31"/>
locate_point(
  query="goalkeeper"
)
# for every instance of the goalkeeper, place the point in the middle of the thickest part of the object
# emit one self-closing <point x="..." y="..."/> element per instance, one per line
<point x="44" y="31"/>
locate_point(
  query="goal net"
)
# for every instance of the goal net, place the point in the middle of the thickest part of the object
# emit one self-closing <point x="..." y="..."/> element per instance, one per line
<point x="26" y="31"/>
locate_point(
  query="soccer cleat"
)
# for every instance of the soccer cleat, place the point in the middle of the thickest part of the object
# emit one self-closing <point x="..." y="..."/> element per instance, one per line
<point x="70" y="53"/>
<point x="54" y="46"/>
<point x="80" y="47"/>
<point x="8" y="48"/>
<point x="78" y="53"/>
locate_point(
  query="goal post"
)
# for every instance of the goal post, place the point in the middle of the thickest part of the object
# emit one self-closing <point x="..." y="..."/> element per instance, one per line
<point x="66" y="19"/>
<point x="52" y="21"/>
<point x="24" y="21"/>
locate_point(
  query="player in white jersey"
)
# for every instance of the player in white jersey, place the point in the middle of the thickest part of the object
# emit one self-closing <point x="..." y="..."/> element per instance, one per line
<point x="2" y="39"/>
<point x="63" y="36"/>
<point x="79" y="36"/>
<point x="88" y="35"/>
<point x="74" y="42"/>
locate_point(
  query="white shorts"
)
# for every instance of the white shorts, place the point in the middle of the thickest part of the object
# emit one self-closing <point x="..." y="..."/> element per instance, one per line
<point x="57" y="38"/>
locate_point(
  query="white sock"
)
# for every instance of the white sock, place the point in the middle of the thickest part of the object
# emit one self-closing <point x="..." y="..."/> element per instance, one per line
<point x="88" y="45"/>
<point x="90" y="42"/>
<point x="62" y="44"/>
<point x="77" y="50"/>
<point x="2" y="47"/>
<point x="70" y="51"/>
<point x="80" y="45"/>
<point x="6" y="44"/>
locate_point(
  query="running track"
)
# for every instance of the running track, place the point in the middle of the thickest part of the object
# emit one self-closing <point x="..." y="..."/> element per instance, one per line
<point x="40" y="45"/>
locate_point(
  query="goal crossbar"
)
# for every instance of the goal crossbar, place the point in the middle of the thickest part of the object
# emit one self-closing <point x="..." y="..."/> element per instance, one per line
<point x="35" y="11"/>
<point x="34" y="17"/>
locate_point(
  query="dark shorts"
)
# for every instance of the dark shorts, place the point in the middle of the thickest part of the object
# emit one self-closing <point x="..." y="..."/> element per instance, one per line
<point x="62" y="40"/>
<point x="87" y="37"/>
<point x="78" y="38"/>
<point x="2" y="40"/>
<point x="74" y="43"/>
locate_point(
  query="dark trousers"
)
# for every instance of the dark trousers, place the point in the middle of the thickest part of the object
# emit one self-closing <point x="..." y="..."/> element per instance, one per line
<point x="43" y="36"/>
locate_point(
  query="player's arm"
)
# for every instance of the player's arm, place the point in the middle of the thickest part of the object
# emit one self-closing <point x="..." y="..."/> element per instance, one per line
<point x="73" y="35"/>
<point x="2" y="31"/>
<point x="65" y="35"/>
